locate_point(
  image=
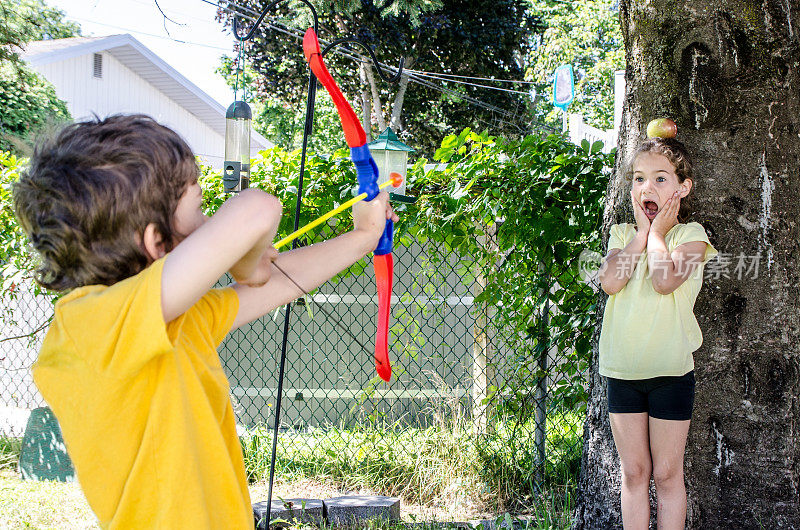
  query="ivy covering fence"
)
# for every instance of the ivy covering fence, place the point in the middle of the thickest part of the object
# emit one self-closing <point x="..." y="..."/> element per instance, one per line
<point x="490" y="326"/>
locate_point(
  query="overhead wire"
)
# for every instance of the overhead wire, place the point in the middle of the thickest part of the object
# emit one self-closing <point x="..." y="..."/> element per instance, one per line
<point x="173" y="39"/>
<point x="248" y="14"/>
<point x="472" y="84"/>
<point x="522" y="81"/>
<point x="412" y="77"/>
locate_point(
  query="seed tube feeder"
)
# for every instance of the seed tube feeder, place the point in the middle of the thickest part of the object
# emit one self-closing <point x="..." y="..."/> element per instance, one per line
<point x="236" y="168"/>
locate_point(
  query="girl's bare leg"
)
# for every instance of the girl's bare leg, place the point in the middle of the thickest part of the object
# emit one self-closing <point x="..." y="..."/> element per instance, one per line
<point x="632" y="440"/>
<point x="667" y="445"/>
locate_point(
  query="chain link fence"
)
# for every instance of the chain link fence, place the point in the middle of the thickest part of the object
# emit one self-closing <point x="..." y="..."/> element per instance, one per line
<point x="486" y="374"/>
<point x="519" y="398"/>
<point x="25" y="316"/>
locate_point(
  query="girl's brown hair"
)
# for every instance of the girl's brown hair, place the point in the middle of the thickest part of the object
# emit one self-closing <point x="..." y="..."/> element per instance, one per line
<point x="674" y="151"/>
<point x="92" y="188"/>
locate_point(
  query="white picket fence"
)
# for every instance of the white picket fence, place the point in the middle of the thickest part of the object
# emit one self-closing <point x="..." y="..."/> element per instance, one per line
<point x="579" y="130"/>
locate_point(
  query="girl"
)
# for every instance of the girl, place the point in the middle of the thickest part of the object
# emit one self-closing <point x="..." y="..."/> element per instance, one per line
<point x="653" y="273"/>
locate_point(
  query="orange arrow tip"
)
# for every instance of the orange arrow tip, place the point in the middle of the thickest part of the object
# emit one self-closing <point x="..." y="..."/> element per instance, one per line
<point x="396" y="179"/>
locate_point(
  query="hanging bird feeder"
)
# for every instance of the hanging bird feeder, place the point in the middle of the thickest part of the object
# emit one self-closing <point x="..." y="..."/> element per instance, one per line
<point x="391" y="156"/>
<point x="563" y="89"/>
<point x="236" y="168"/>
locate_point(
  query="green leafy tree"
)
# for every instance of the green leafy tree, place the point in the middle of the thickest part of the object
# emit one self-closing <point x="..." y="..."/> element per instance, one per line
<point x="587" y="35"/>
<point x="482" y="38"/>
<point x="30" y="20"/>
<point x="29" y="104"/>
<point x="29" y="101"/>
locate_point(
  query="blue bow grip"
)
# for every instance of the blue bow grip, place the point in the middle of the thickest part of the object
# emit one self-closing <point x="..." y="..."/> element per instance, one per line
<point x="367" y="174"/>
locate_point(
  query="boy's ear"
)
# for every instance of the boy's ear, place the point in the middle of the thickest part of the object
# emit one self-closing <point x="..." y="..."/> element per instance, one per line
<point x="153" y="242"/>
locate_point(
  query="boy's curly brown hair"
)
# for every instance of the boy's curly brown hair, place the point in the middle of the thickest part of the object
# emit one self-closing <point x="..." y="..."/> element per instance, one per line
<point x="674" y="151"/>
<point x="92" y="188"/>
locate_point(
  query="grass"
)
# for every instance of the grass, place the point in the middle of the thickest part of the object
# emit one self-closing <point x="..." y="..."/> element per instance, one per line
<point x="441" y="465"/>
<point x="32" y="504"/>
<point x="45" y="504"/>
<point x="448" y="467"/>
<point x="9" y="452"/>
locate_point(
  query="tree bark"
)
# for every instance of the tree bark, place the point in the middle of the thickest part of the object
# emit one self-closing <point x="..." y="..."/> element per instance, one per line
<point x="376" y="97"/>
<point x="397" y="105"/>
<point x="366" y="115"/>
<point x="727" y="72"/>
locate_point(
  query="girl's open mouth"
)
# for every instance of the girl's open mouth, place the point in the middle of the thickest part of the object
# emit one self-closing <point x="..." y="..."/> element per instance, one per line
<point x="650" y="208"/>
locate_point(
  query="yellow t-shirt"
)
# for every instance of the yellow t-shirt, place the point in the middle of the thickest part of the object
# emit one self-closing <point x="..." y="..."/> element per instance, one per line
<point x="646" y="334"/>
<point x="144" y="406"/>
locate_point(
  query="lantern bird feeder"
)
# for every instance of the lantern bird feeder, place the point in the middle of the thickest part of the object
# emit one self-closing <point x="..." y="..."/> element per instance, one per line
<point x="236" y="168"/>
<point x="391" y="156"/>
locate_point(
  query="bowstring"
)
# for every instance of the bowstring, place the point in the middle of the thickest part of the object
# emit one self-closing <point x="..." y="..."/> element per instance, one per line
<point x="321" y="308"/>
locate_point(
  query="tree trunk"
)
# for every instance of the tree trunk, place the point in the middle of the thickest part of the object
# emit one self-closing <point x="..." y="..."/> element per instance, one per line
<point x="397" y="105"/>
<point x="727" y="72"/>
<point x="366" y="116"/>
<point x="376" y="97"/>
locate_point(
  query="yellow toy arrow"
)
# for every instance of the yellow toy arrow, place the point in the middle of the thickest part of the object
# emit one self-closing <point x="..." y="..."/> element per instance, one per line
<point x="394" y="179"/>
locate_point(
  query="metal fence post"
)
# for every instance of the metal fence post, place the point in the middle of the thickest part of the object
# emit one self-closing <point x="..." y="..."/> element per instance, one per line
<point x="540" y="435"/>
<point x="483" y="374"/>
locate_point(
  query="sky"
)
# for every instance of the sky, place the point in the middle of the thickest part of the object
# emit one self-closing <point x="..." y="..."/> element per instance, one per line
<point x="196" y="58"/>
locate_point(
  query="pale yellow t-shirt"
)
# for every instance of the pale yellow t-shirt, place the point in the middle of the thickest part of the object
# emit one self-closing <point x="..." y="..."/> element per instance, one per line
<point x="646" y="334"/>
<point x="144" y="406"/>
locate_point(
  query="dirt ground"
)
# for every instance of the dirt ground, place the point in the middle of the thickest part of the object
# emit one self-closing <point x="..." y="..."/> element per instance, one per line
<point x="453" y="507"/>
<point x="59" y="505"/>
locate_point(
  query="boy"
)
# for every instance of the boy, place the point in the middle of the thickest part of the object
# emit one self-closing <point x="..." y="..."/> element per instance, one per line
<point x="129" y="365"/>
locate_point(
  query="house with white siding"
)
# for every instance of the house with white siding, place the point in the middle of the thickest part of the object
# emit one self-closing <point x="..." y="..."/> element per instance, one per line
<point x="118" y="74"/>
<point x="102" y="75"/>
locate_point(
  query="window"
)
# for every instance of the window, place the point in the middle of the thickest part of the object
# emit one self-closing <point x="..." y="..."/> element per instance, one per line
<point x="98" y="65"/>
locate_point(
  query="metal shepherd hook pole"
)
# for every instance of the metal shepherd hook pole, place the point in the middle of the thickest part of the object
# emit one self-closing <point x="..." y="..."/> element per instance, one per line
<point x="309" y="121"/>
<point x="383" y="252"/>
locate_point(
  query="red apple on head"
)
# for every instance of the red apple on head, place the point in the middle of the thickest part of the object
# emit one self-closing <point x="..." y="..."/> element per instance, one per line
<point x="662" y="128"/>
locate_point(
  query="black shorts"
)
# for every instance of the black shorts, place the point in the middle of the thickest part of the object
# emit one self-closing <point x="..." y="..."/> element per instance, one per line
<point x="666" y="398"/>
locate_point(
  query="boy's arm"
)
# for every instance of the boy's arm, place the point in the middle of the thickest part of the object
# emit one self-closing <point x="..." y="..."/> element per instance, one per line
<point x="254" y="267"/>
<point x="312" y="266"/>
<point x="233" y="236"/>
<point x="670" y="270"/>
<point x="620" y="264"/>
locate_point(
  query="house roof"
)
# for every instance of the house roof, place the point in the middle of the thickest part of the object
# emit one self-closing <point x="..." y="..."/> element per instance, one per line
<point x="137" y="57"/>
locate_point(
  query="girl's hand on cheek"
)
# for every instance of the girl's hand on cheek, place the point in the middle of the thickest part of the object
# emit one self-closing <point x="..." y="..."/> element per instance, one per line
<point x="668" y="217"/>
<point x="642" y="222"/>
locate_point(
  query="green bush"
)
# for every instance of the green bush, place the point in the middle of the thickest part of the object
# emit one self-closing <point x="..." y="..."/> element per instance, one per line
<point x="543" y="196"/>
<point x="29" y="105"/>
<point x="16" y="260"/>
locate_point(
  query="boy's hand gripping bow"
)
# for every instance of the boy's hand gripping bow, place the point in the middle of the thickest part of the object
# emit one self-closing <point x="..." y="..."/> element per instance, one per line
<point x="367" y="172"/>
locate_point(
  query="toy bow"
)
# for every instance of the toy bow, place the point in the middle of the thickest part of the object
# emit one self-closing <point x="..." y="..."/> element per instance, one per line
<point x="367" y="173"/>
